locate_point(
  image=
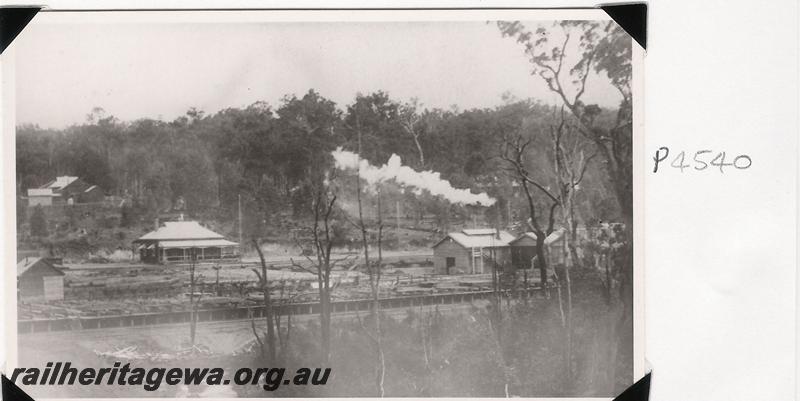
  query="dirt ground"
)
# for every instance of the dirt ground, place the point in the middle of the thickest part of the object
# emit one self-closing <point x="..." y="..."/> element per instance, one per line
<point x="128" y="288"/>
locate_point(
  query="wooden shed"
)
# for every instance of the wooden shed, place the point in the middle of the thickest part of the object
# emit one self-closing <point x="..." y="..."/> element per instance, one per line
<point x="38" y="279"/>
<point x="523" y="249"/>
<point x="472" y="251"/>
<point x="93" y="194"/>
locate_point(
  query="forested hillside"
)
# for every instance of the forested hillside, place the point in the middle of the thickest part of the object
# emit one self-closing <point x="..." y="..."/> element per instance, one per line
<point x="266" y="154"/>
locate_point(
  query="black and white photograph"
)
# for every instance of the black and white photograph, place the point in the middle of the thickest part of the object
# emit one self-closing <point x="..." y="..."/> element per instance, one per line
<point x="326" y="204"/>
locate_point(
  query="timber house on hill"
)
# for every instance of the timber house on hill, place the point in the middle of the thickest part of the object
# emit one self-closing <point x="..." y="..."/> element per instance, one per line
<point x="65" y="190"/>
<point x="183" y="241"/>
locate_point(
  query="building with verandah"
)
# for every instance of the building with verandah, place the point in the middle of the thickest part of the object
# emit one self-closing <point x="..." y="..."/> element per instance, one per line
<point x="183" y="241"/>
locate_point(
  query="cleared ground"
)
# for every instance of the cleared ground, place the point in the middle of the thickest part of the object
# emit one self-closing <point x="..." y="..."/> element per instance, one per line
<point x="124" y="288"/>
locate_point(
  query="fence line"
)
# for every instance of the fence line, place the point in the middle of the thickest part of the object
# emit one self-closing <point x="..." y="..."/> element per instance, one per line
<point x="243" y="313"/>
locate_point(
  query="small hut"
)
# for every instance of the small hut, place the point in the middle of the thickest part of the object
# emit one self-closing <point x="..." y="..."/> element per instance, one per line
<point x="523" y="249"/>
<point x="472" y="251"/>
<point x="38" y="279"/>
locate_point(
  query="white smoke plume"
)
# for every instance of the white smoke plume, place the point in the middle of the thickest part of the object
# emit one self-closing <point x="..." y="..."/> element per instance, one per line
<point x="394" y="169"/>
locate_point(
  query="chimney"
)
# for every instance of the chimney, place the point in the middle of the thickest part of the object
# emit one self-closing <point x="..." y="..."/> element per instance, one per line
<point x="156" y="224"/>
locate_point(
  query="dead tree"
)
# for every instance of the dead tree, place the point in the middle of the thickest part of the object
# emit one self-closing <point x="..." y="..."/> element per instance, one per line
<point x="323" y="210"/>
<point x="411" y="125"/>
<point x="193" y="303"/>
<point x="286" y="299"/>
<point x="288" y="336"/>
<point x="374" y="272"/>
<point x="264" y="286"/>
<point x="416" y="125"/>
<point x="604" y="47"/>
<point x="259" y="341"/>
<point x="569" y="168"/>
<point x="514" y="153"/>
<point x="216" y="285"/>
<point x="381" y="358"/>
<point x="426" y="325"/>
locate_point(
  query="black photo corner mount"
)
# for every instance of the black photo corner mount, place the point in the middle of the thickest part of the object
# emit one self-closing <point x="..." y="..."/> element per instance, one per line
<point x="639" y="391"/>
<point x="632" y="18"/>
<point x="12" y="21"/>
<point x="12" y="392"/>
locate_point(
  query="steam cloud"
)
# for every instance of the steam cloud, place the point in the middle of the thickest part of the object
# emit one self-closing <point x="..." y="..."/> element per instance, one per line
<point x="408" y="177"/>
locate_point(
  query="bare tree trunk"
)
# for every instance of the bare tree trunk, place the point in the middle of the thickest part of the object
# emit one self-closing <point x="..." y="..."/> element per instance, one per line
<point x="419" y="149"/>
<point x="495" y="323"/>
<point x="325" y="320"/>
<point x="541" y="260"/>
<point x="192" y="302"/>
<point x="568" y="358"/>
<point x="267" y="303"/>
<point x="623" y="330"/>
<point x="323" y="207"/>
<point x="381" y="374"/>
<point x="278" y="317"/>
<point x="515" y="154"/>
<point x="258" y="338"/>
<point x="426" y="337"/>
<point x="289" y="328"/>
<point x="374" y="275"/>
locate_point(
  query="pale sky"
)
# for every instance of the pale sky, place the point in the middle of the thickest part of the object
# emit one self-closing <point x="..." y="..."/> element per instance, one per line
<point x="161" y="70"/>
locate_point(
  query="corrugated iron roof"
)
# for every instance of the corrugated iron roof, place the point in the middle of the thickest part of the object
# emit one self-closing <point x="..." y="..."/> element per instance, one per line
<point x="61" y="182"/>
<point x="479" y="231"/>
<point x="196" y="243"/>
<point x="554" y="236"/>
<point x="480" y="238"/>
<point x="180" y="230"/>
<point x="41" y="192"/>
<point x="26" y="264"/>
